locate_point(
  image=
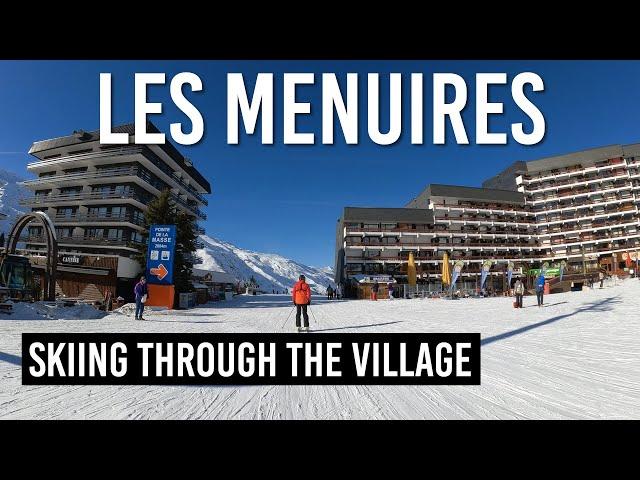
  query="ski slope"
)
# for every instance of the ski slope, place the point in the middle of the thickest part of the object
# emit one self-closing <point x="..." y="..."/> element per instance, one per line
<point x="577" y="357"/>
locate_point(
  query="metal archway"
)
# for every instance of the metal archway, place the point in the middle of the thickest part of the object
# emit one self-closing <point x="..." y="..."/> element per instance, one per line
<point x="52" y="247"/>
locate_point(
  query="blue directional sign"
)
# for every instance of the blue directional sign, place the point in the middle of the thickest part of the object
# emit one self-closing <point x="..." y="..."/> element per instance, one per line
<point x="160" y="253"/>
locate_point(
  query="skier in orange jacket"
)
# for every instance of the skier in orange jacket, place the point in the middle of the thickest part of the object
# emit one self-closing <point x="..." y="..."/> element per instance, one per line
<point x="301" y="294"/>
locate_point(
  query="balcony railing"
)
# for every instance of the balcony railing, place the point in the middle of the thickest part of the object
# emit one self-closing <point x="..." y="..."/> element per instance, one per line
<point x="81" y="240"/>
<point x="70" y="197"/>
<point x="108" y="218"/>
<point x="586" y="181"/>
<point x="575" y="170"/>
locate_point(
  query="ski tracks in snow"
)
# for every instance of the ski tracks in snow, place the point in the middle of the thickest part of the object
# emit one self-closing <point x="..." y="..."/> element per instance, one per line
<point x="578" y="357"/>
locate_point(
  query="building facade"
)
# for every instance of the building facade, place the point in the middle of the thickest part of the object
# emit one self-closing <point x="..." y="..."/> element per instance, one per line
<point x="96" y="195"/>
<point x="580" y="209"/>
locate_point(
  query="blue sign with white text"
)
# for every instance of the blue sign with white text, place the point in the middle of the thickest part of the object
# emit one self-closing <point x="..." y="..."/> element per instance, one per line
<point x="160" y="253"/>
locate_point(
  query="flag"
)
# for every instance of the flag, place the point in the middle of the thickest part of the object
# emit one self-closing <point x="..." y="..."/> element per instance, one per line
<point x="486" y="265"/>
<point x="457" y="268"/>
<point x="446" y="271"/>
<point x="411" y="271"/>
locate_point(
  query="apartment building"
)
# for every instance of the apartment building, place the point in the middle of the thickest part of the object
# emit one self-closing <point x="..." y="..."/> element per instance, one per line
<point x="581" y="208"/>
<point x="585" y="204"/>
<point x="96" y="196"/>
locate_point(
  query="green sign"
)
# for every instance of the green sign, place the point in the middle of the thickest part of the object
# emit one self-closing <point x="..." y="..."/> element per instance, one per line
<point x="550" y="272"/>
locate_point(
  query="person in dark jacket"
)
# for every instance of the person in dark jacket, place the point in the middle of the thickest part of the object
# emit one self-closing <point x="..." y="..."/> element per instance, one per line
<point x="540" y="289"/>
<point x="329" y="292"/>
<point x="141" y="292"/>
<point x="374" y="291"/>
<point x="301" y="299"/>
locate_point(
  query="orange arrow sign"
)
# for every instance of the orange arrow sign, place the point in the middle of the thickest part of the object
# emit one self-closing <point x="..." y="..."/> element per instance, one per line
<point x="161" y="271"/>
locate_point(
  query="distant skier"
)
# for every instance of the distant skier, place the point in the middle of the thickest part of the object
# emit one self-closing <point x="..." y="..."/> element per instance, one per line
<point x="374" y="291"/>
<point x="141" y="292"/>
<point x="301" y="294"/>
<point x="518" y="288"/>
<point x="540" y="289"/>
<point x="390" y="290"/>
<point x="329" y="292"/>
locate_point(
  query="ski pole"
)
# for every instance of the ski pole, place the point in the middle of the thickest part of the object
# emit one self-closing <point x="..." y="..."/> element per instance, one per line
<point x="287" y="320"/>
<point x="314" y="316"/>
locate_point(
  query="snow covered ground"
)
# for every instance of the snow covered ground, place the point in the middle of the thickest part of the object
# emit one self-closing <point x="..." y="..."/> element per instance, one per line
<point x="577" y="357"/>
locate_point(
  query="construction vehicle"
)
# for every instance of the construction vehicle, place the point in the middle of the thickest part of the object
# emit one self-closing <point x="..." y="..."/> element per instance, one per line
<point x="16" y="278"/>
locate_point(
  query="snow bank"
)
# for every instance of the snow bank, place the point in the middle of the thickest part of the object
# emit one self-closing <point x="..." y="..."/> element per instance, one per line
<point x="50" y="311"/>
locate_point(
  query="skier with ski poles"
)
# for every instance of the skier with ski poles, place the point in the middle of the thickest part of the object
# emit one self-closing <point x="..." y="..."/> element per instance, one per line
<point x="301" y="294"/>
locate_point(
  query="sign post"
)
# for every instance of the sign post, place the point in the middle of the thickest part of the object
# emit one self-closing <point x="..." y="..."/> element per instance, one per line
<point x="160" y="258"/>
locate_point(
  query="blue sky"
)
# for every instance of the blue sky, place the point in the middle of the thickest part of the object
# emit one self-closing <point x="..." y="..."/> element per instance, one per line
<point x="286" y="199"/>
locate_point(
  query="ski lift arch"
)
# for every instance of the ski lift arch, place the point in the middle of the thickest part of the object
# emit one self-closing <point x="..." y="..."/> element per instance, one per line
<point x="52" y="247"/>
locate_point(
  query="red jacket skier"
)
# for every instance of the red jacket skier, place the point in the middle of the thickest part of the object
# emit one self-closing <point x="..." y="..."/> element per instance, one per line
<point x="301" y="294"/>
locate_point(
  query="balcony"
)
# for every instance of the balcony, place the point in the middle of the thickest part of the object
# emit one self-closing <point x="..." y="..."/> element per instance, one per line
<point x="575" y="170"/>
<point x="80" y="240"/>
<point x="74" y="197"/>
<point x="107" y="218"/>
<point x="622" y="173"/>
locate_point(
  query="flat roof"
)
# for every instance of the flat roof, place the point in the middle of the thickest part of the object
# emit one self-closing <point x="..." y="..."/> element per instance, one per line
<point x="474" y="193"/>
<point x="129" y="128"/>
<point x="583" y="157"/>
<point x="372" y="214"/>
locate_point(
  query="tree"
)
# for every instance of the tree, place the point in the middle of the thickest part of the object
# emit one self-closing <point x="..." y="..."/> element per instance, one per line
<point x="162" y="211"/>
<point x="2" y="240"/>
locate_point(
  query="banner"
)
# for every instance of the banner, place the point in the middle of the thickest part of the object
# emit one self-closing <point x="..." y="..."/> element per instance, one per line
<point x="457" y="268"/>
<point x="509" y="274"/>
<point x="486" y="266"/>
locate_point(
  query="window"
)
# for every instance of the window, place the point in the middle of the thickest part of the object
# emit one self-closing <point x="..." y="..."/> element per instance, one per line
<point x="97" y="211"/>
<point x="136" y="237"/>
<point x="118" y="211"/>
<point x="94" y="232"/>
<point x="115" y="234"/>
<point x="46" y="174"/>
<point x="76" y="170"/>
<point x="65" y="212"/>
<point x="70" y="190"/>
<point x="63" y="232"/>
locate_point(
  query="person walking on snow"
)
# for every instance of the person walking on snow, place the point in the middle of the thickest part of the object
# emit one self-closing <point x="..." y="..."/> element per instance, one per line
<point x="518" y="288"/>
<point x="374" y="291"/>
<point x="329" y="292"/>
<point x="390" y="290"/>
<point x="301" y="294"/>
<point x="540" y="289"/>
<point x="141" y="292"/>
<point x="601" y="277"/>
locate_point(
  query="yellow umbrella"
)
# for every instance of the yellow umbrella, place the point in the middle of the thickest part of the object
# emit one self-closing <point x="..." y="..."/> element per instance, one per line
<point x="411" y="270"/>
<point x="446" y="271"/>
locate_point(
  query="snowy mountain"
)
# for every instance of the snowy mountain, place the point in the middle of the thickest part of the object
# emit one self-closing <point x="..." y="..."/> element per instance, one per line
<point x="10" y="194"/>
<point x="271" y="271"/>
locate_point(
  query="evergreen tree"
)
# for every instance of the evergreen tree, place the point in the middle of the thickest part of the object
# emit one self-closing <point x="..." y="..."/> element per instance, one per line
<point x="162" y="211"/>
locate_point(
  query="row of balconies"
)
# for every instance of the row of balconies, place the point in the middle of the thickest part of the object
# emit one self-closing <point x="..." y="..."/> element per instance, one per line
<point x="122" y="151"/>
<point x="71" y="198"/>
<point x="584" y="180"/>
<point x="581" y="192"/>
<point x="575" y="170"/>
